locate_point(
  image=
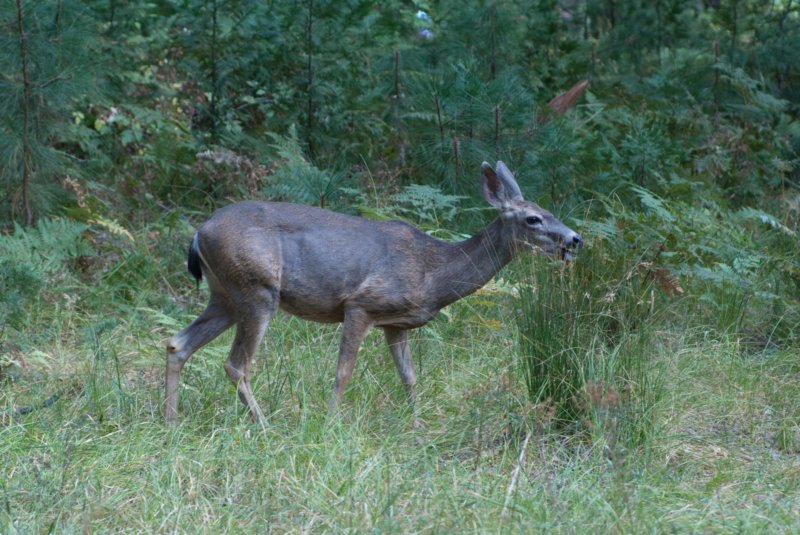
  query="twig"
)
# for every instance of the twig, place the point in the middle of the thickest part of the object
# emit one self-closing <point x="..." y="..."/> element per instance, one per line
<point x="5" y="416"/>
<point x="310" y="79"/>
<point x="515" y="475"/>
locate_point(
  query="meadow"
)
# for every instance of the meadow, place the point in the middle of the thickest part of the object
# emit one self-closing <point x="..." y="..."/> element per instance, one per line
<point x="650" y="385"/>
<point x="719" y="453"/>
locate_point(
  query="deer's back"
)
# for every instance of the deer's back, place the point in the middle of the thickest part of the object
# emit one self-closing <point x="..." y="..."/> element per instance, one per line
<point x="320" y="262"/>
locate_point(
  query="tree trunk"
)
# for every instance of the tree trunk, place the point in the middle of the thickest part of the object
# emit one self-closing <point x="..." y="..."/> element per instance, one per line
<point x="26" y="105"/>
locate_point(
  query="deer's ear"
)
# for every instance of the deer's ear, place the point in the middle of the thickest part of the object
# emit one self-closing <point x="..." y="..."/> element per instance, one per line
<point x="492" y="187"/>
<point x="510" y="185"/>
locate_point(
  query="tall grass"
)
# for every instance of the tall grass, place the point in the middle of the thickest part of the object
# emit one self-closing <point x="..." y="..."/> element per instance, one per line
<point x="587" y="336"/>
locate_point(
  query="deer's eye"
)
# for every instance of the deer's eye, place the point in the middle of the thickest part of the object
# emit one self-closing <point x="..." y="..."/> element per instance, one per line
<point x="533" y="220"/>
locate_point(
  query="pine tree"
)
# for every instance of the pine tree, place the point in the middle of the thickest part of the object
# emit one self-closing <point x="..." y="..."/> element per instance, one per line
<point x="47" y="56"/>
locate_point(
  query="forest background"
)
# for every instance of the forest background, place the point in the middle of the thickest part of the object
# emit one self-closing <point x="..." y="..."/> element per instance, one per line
<point x="650" y="384"/>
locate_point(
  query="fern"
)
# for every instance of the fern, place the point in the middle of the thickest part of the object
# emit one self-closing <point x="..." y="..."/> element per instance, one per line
<point x="754" y="99"/>
<point x="111" y="226"/>
<point x="753" y="214"/>
<point x="426" y="204"/>
<point x="46" y="246"/>
<point x="20" y="283"/>
<point x="33" y="259"/>
<point x="654" y="204"/>
<point x="296" y="179"/>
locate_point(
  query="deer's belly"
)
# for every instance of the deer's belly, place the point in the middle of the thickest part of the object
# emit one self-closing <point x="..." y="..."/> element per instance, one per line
<point x="313" y="312"/>
<point x="386" y="315"/>
<point x="410" y="319"/>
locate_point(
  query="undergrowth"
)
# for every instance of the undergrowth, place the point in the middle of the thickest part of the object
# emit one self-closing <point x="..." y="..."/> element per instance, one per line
<point x="558" y="396"/>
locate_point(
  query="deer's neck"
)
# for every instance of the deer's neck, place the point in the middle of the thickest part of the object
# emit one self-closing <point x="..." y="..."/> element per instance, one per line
<point x="466" y="266"/>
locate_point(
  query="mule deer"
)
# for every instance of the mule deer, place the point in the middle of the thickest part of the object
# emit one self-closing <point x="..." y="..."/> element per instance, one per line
<point x="329" y="267"/>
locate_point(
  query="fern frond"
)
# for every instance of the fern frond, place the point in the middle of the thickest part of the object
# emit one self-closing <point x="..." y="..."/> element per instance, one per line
<point x="111" y="226"/>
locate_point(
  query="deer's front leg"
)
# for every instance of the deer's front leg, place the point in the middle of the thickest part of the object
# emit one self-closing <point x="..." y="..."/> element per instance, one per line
<point x="397" y="339"/>
<point x="355" y="326"/>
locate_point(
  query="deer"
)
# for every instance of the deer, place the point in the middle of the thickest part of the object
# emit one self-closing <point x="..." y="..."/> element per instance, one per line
<point x="328" y="267"/>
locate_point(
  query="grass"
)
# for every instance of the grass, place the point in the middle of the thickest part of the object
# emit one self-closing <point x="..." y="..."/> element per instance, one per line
<point x="721" y="457"/>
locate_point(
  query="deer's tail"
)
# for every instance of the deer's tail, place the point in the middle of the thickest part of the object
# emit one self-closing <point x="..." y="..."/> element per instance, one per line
<point x="194" y="260"/>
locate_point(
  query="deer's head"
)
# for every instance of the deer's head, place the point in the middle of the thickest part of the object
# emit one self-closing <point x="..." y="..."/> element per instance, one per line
<point x="530" y="225"/>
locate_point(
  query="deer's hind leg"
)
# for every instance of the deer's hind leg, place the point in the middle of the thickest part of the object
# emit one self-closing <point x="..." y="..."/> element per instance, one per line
<point x="250" y="326"/>
<point x="208" y="325"/>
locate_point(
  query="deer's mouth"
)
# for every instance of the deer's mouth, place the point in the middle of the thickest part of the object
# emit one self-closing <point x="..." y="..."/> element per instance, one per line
<point x="554" y="250"/>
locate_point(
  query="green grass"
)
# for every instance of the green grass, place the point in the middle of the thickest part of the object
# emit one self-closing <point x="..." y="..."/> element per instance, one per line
<point x="723" y="457"/>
